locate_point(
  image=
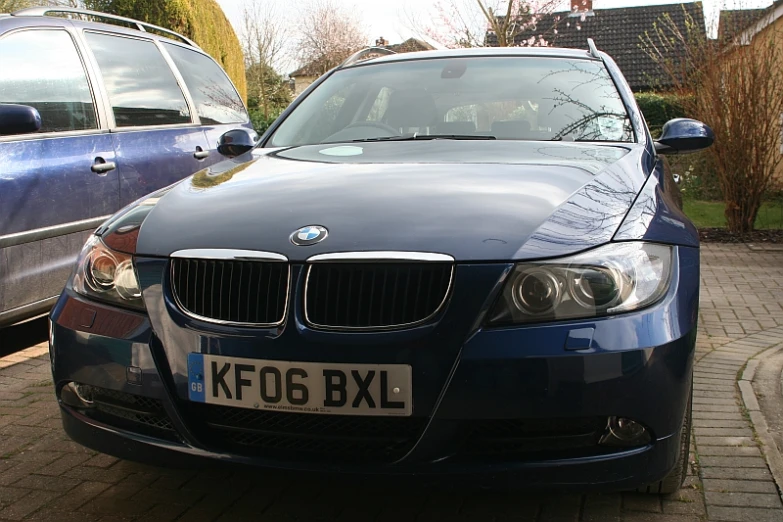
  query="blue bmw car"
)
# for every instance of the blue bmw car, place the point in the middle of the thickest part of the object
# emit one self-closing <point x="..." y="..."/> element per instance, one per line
<point x="464" y="263"/>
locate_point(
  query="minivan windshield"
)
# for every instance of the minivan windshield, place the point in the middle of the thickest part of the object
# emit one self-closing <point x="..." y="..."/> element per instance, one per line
<point x="505" y="98"/>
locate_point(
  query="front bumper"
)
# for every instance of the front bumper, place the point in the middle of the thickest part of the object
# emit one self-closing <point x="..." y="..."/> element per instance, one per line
<point x="637" y="365"/>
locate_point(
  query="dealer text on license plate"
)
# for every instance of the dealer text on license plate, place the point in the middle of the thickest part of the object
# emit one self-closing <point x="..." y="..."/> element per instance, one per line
<point x="303" y="387"/>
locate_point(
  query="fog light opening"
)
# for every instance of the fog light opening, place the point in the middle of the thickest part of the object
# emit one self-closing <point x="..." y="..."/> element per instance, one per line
<point x="84" y="392"/>
<point x="622" y="431"/>
<point x="77" y="395"/>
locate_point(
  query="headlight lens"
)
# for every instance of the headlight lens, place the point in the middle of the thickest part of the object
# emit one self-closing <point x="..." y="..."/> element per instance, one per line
<point x="611" y="279"/>
<point x="107" y="275"/>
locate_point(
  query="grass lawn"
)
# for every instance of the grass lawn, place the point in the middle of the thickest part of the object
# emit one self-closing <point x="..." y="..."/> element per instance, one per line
<point x="709" y="214"/>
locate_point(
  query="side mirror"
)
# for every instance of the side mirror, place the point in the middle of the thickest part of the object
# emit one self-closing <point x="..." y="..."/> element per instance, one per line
<point x="235" y="143"/>
<point x="683" y="136"/>
<point x="18" y="119"/>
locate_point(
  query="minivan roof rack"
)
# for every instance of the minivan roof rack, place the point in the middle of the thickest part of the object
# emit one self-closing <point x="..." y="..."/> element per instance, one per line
<point x="141" y="26"/>
<point x="355" y="57"/>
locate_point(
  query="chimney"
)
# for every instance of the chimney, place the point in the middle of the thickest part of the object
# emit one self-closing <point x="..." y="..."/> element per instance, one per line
<point x="581" y="7"/>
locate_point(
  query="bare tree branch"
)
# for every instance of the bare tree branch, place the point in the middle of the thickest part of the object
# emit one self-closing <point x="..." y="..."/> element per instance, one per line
<point x="329" y="33"/>
<point x="263" y="36"/>
<point x="467" y="23"/>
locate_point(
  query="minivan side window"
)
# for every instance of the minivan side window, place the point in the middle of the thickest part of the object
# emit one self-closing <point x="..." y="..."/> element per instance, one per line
<point x="141" y="87"/>
<point x="42" y="69"/>
<point x="214" y="95"/>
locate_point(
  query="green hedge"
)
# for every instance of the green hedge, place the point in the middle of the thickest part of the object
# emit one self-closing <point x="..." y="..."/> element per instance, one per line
<point x="659" y="108"/>
<point x="261" y="124"/>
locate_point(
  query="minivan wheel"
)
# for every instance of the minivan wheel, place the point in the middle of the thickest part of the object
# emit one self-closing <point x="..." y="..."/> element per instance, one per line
<point x="672" y="482"/>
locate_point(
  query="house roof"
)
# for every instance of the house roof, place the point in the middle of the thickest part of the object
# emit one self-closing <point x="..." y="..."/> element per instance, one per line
<point x="310" y="69"/>
<point x="410" y="45"/>
<point x="734" y="20"/>
<point x="771" y="15"/>
<point x="617" y="32"/>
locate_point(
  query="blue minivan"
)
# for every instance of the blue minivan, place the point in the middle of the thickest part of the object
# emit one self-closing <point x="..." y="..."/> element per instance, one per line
<point x="93" y="116"/>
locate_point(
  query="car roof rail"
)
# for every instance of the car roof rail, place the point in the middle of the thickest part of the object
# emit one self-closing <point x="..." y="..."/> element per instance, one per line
<point x="357" y="56"/>
<point x="141" y="26"/>
<point x="593" y="49"/>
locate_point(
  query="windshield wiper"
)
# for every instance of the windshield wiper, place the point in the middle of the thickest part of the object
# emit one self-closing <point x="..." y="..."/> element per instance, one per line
<point x="416" y="137"/>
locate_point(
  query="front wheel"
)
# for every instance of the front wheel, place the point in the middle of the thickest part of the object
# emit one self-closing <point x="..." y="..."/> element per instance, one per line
<point x="672" y="482"/>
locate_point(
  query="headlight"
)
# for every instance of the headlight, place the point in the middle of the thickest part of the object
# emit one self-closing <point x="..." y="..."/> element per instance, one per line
<point x="615" y="278"/>
<point x="107" y="275"/>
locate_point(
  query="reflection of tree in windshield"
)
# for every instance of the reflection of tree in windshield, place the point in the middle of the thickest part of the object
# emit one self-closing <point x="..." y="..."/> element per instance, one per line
<point x="590" y="118"/>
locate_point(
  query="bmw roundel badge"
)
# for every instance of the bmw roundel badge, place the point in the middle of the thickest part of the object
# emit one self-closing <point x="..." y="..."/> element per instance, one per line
<point x="309" y="235"/>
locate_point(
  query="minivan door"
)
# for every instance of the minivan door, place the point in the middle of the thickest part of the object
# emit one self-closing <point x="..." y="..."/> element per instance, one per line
<point x="156" y="138"/>
<point x="217" y="103"/>
<point x="57" y="184"/>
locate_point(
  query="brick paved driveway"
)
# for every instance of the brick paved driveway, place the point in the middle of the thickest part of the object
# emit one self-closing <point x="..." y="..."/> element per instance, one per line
<point x="44" y="476"/>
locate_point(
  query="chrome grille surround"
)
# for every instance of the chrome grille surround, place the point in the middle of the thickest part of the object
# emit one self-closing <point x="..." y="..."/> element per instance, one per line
<point x="367" y="259"/>
<point x="230" y="255"/>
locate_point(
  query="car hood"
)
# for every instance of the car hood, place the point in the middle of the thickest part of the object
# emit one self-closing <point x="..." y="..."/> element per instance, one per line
<point x="473" y="200"/>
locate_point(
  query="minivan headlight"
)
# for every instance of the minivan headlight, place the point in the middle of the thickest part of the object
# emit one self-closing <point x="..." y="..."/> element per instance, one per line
<point x="614" y="278"/>
<point x="107" y="275"/>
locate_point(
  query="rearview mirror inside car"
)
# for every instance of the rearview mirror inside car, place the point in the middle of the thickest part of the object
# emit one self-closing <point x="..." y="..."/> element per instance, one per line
<point x="684" y="136"/>
<point x="236" y="142"/>
<point x="18" y="119"/>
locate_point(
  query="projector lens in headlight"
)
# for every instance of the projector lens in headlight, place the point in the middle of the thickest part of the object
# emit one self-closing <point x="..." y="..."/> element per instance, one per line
<point x="107" y="275"/>
<point x="615" y="278"/>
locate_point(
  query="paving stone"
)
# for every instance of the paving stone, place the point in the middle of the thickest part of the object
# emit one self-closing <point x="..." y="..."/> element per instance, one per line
<point x="729" y="451"/>
<point x="561" y="508"/>
<point x="687" y="501"/>
<point x="720" y="423"/>
<point x="726" y="441"/>
<point x="642" y="502"/>
<point x="746" y="486"/>
<point x="79" y="496"/>
<point x="602" y="508"/>
<point x="718" y="415"/>
<point x="49" y="515"/>
<point x="736" y="473"/>
<point x="713" y="401"/>
<point x="723" y="432"/>
<point x="651" y="517"/>
<point x="743" y="514"/>
<point x="766" y="500"/>
<point x="47" y="482"/>
<point x="27" y="504"/>
<point x="734" y="462"/>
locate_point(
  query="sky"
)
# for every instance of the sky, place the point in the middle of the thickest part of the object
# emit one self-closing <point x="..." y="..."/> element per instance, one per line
<point x="391" y="18"/>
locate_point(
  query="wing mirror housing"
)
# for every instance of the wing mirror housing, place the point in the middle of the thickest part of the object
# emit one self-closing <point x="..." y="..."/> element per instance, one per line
<point x="684" y="136"/>
<point x="18" y="119"/>
<point x="236" y="142"/>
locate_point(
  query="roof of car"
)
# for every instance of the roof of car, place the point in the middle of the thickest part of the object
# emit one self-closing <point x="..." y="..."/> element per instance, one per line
<point x="482" y="51"/>
<point x="99" y="19"/>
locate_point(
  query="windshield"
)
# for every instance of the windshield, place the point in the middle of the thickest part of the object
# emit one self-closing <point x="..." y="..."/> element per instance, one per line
<point x="508" y="98"/>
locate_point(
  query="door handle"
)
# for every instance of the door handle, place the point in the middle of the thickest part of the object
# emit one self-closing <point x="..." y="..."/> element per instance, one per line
<point x="200" y="153"/>
<point x="101" y="166"/>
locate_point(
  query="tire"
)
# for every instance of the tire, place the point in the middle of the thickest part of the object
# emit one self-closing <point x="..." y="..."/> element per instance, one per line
<point x="672" y="482"/>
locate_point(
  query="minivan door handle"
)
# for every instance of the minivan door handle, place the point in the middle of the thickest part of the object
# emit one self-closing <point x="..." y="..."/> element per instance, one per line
<point x="200" y="153"/>
<point x="101" y="166"/>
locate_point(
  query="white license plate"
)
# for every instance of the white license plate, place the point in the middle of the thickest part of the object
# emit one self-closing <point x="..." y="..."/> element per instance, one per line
<point x="301" y="387"/>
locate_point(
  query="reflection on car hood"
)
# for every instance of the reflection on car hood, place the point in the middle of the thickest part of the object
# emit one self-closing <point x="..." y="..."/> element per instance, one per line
<point x="477" y="201"/>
